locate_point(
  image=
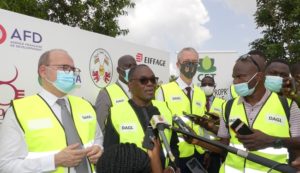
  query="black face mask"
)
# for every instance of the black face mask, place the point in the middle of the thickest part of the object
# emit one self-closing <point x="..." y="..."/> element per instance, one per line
<point x="188" y="69"/>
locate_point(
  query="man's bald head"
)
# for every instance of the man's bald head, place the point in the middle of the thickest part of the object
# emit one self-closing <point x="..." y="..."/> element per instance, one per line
<point x="125" y="59"/>
<point x="125" y="63"/>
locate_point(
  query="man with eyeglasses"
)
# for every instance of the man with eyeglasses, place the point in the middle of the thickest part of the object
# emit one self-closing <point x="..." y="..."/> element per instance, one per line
<point x="272" y="126"/>
<point x="182" y="96"/>
<point x="51" y="131"/>
<point x="129" y="121"/>
<point x="115" y="93"/>
<point x="259" y="57"/>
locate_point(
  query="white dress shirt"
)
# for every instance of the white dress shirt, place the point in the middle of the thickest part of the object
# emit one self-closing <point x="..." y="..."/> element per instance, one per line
<point x="13" y="148"/>
<point x="124" y="87"/>
<point x="181" y="84"/>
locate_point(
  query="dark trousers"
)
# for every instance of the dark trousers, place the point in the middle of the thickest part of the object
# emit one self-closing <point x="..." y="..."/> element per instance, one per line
<point x="214" y="163"/>
<point x="181" y="162"/>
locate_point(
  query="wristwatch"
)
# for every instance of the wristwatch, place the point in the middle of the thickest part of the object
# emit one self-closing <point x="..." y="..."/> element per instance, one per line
<point x="278" y="143"/>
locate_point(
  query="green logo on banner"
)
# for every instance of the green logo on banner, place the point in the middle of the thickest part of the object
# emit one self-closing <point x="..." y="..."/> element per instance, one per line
<point x="206" y="65"/>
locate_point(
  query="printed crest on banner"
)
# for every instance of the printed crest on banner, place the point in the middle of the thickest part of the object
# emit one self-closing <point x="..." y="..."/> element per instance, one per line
<point x="207" y="65"/>
<point x="101" y="68"/>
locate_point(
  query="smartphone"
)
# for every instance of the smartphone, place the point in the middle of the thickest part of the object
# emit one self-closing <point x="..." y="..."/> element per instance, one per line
<point x="149" y="136"/>
<point x="212" y="115"/>
<point x="241" y="128"/>
<point x="293" y="85"/>
<point x="195" y="166"/>
<point x="191" y="117"/>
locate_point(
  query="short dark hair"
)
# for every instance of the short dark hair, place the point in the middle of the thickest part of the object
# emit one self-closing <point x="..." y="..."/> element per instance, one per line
<point x="124" y="58"/>
<point x="133" y="69"/>
<point x="258" y="52"/>
<point x="279" y="60"/>
<point x="124" y="158"/>
<point x="209" y="77"/>
<point x="295" y="69"/>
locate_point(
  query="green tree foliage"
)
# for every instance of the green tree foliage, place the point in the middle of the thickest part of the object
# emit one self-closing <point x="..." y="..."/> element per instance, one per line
<point x="94" y="15"/>
<point x="280" y="21"/>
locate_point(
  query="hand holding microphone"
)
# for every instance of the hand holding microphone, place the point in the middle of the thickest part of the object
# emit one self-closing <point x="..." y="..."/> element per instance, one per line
<point x="159" y="123"/>
<point x="183" y="126"/>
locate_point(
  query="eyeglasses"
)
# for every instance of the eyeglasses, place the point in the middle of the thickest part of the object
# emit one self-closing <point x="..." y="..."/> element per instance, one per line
<point x="246" y="56"/>
<point x="145" y="80"/>
<point x="67" y="68"/>
<point x="189" y="62"/>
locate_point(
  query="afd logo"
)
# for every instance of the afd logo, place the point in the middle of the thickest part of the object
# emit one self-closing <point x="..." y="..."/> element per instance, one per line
<point x="21" y="38"/>
<point x="2" y="34"/>
<point x="206" y="65"/>
<point x="26" y="35"/>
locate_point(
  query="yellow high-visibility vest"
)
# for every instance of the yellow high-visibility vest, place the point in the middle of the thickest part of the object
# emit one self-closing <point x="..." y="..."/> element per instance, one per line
<point x="116" y="94"/>
<point x="178" y="103"/>
<point x="271" y="120"/>
<point x="216" y="107"/>
<point x="127" y="124"/>
<point x="45" y="134"/>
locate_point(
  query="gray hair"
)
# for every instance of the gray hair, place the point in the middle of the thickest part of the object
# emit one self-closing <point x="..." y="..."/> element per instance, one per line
<point x="186" y="49"/>
<point x="44" y="60"/>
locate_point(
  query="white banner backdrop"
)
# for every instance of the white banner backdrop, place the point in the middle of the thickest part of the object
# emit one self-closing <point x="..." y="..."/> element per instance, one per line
<point x="23" y="39"/>
<point x="219" y="65"/>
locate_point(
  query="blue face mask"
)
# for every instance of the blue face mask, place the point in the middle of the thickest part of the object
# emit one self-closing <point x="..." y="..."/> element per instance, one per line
<point x="242" y="89"/>
<point x="126" y="75"/>
<point x="273" y="83"/>
<point x="64" y="82"/>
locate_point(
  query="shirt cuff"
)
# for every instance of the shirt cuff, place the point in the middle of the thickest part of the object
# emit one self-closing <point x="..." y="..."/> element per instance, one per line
<point x="48" y="163"/>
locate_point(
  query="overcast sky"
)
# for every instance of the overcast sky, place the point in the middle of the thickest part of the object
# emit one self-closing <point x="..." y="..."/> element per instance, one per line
<point x="207" y="25"/>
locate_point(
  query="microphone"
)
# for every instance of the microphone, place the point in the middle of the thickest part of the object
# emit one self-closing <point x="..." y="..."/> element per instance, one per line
<point x="244" y="154"/>
<point x="159" y="123"/>
<point x="180" y="123"/>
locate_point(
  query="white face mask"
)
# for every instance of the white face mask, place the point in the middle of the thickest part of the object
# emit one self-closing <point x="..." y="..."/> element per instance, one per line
<point x="208" y="90"/>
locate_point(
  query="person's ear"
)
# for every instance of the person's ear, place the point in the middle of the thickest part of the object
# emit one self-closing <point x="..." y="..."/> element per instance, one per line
<point x="42" y="71"/>
<point x="119" y="70"/>
<point x="178" y="64"/>
<point x="130" y="86"/>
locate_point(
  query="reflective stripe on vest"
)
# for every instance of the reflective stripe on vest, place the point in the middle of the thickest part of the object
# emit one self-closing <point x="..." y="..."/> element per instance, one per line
<point x="269" y="150"/>
<point x="272" y="116"/>
<point x="33" y="155"/>
<point x="178" y="103"/>
<point x="44" y="133"/>
<point x="230" y="169"/>
<point x="116" y="94"/>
